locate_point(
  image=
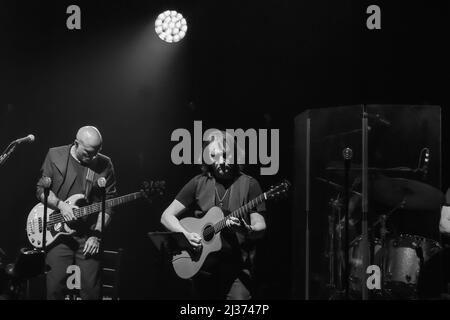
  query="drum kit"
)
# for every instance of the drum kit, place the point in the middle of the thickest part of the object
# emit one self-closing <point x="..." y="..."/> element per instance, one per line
<point x="399" y="256"/>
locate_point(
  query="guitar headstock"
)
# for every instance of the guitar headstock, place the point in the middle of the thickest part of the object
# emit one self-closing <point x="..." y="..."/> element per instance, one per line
<point x="278" y="190"/>
<point x="153" y="189"/>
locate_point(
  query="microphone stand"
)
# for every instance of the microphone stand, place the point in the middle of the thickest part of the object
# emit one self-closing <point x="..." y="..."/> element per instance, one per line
<point x="365" y="195"/>
<point x="102" y="237"/>
<point x="383" y="233"/>
<point x="8" y="151"/>
<point x="5" y="155"/>
<point x="46" y="183"/>
<point x="346" y="218"/>
<point x="44" y="220"/>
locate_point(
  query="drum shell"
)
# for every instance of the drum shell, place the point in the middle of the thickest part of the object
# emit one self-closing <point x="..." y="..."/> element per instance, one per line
<point x="402" y="260"/>
<point x="357" y="272"/>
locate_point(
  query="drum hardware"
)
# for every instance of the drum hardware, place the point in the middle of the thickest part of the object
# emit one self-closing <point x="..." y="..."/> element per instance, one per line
<point x="336" y="167"/>
<point x="336" y="186"/>
<point x="334" y="285"/>
<point x="400" y="257"/>
<point x="393" y="191"/>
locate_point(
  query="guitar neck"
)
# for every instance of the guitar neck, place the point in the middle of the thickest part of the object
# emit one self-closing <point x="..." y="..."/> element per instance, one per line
<point x="239" y="213"/>
<point x="96" y="207"/>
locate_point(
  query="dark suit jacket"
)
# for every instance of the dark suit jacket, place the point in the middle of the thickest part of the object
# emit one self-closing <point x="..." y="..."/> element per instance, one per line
<point x="55" y="167"/>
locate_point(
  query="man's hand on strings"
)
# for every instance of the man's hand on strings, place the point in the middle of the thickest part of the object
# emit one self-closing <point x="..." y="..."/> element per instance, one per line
<point x="238" y="225"/>
<point x="194" y="239"/>
<point x="67" y="211"/>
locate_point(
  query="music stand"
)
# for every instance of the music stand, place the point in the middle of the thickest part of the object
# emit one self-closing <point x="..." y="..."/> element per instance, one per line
<point x="29" y="264"/>
<point x="170" y="242"/>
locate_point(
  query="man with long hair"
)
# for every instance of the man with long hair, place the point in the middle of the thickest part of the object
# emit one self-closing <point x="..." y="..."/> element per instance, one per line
<point x="228" y="273"/>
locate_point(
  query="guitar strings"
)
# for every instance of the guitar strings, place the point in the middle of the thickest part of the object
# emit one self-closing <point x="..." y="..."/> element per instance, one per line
<point x="57" y="217"/>
<point x="222" y="223"/>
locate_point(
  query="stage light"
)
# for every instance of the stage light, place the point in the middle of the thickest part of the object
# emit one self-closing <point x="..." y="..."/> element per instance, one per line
<point x="170" y="26"/>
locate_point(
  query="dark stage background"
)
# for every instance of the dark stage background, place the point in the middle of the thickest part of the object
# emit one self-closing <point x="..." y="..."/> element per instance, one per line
<point x="242" y="64"/>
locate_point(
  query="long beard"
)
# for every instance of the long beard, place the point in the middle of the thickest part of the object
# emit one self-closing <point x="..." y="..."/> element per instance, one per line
<point x="223" y="171"/>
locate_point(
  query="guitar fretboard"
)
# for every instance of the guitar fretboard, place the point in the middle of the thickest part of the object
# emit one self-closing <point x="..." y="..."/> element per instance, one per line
<point x="239" y="213"/>
<point x="96" y="207"/>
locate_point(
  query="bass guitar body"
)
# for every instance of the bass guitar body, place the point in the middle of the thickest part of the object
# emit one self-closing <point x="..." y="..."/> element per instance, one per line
<point x="55" y="222"/>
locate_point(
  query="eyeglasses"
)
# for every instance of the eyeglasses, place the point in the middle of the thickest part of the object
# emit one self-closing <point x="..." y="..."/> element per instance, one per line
<point x="91" y="154"/>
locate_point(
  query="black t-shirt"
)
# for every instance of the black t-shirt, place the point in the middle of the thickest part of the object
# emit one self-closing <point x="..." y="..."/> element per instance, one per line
<point x="83" y="225"/>
<point x="187" y="194"/>
<point x="69" y="178"/>
<point x="230" y="246"/>
<point x="78" y="186"/>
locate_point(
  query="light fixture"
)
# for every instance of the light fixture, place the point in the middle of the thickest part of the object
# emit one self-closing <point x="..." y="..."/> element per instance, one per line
<point x="170" y="26"/>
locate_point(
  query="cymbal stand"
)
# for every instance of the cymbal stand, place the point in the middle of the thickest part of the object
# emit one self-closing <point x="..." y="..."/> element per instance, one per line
<point x="365" y="245"/>
<point x="386" y="217"/>
<point x="383" y="233"/>
<point x="331" y="257"/>
<point x="335" y="210"/>
<point x="346" y="227"/>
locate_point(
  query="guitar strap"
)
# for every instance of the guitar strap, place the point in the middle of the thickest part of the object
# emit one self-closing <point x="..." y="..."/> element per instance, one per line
<point x="65" y="170"/>
<point x="247" y="246"/>
<point x="89" y="182"/>
<point x="244" y="184"/>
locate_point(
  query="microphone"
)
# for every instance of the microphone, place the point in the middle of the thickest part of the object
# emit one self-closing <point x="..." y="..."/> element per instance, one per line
<point x="426" y="160"/>
<point x="28" y="138"/>
<point x="347" y="153"/>
<point x="380" y="119"/>
<point x="101" y="182"/>
<point x="46" y="182"/>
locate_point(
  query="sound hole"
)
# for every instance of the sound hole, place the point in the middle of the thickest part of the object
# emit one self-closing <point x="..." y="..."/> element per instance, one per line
<point x="208" y="233"/>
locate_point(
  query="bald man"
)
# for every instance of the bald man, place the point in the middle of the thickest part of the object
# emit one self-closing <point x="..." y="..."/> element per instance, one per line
<point x="75" y="169"/>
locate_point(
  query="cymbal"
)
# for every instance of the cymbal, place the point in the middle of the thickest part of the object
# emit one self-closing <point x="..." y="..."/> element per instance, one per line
<point x="336" y="186"/>
<point x="358" y="167"/>
<point x="410" y="194"/>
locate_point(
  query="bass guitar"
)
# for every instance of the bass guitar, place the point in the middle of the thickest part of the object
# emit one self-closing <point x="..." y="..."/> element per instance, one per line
<point x="56" y="226"/>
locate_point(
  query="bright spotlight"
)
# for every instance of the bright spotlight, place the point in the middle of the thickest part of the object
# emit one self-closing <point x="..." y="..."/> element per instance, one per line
<point x="170" y="26"/>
